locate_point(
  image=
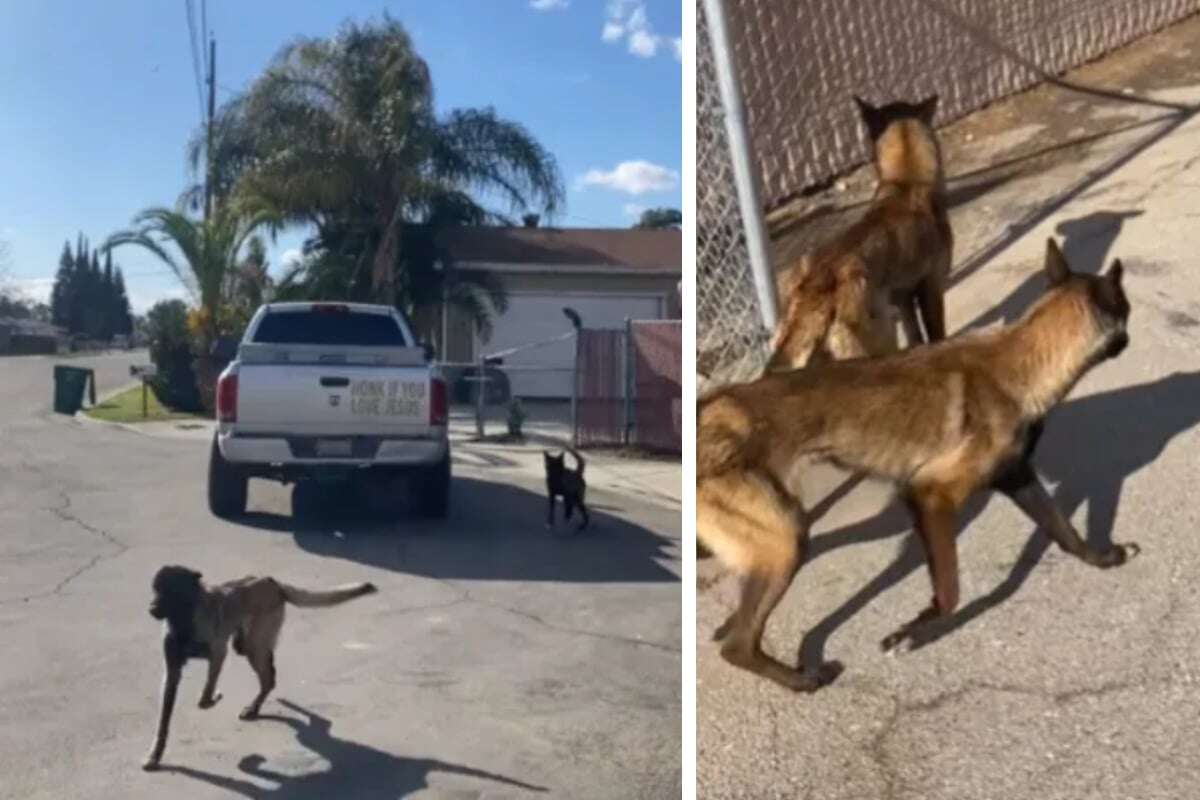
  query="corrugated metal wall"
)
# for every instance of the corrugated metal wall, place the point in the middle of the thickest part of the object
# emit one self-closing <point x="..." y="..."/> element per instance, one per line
<point x="801" y="60"/>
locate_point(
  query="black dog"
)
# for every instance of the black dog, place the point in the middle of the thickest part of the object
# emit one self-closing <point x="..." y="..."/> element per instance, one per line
<point x="567" y="484"/>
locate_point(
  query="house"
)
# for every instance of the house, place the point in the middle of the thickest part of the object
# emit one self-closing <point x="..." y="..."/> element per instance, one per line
<point x="606" y="275"/>
<point x="28" y="337"/>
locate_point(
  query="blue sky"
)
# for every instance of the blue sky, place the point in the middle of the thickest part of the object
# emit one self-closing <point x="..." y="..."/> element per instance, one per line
<point x="99" y="100"/>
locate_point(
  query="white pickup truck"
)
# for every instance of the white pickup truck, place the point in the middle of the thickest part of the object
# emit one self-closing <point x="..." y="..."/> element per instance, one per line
<point x="330" y="390"/>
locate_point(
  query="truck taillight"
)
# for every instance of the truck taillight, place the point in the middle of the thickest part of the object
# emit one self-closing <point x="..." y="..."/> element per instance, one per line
<point x="227" y="398"/>
<point x="439" y="410"/>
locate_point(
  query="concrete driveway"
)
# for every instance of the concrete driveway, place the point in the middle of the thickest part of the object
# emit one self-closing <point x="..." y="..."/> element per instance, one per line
<point x="498" y="659"/>
<point x="1054" y="680"/>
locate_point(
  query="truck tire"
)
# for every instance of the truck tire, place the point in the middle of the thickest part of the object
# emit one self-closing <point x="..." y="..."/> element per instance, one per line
<point x="434" y="487"/>
<point x="227" y="485"/>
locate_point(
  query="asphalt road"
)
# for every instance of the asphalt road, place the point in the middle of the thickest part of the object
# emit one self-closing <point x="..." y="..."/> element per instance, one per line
<point x="497" y="660"/>
<point x="1055" y="679"/>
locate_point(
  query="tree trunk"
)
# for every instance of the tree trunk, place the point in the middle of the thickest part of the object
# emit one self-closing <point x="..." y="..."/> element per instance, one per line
<point x="383" y="269"/>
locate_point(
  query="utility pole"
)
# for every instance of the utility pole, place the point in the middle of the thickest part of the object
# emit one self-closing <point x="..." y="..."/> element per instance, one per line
<point x="212" y="103"/>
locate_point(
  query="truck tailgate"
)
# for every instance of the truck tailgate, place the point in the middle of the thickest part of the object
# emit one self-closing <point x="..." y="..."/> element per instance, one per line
<point x="333" y="399"/>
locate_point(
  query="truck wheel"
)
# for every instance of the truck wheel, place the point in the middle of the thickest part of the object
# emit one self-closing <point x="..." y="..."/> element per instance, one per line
<point x="434" y="487"/>
<point x="227" y="485"/>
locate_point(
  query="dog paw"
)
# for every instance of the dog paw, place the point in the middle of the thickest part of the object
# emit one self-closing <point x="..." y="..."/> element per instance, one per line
<point x="150" y="764"/>
<point x="823" y="675"/>
<point x="808" y="681"/>
<point x="892" y="641"/>
<point x="209" y="702"/>
<point x="248" y="713"/>
<point x="1118" y="555"/>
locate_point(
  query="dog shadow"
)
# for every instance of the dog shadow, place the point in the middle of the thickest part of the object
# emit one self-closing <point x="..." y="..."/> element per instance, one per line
<point x="355" y="770"/>
<point x="494" y="531"/>
<point x="1146" y="416"/>
<point x="1086" y="243"/>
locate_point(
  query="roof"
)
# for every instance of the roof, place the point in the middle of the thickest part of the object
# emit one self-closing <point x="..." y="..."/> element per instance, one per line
<point x="357" y="308"/>
<point x="622" y="250"/>
<point x="29" y="327"/>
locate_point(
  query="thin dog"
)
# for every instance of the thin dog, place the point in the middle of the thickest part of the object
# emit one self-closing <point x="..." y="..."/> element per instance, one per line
<point x="942" y="421"/>
<point x="837" y="300"/>
<point x="567" y="484"/>
<point x="200" y="620"/>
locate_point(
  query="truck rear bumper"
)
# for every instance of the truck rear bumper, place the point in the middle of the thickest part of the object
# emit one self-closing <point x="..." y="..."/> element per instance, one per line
<point x="300" y="451"/>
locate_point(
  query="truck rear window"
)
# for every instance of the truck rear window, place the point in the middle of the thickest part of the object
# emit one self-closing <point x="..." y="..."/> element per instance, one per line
<point x="330" y="328"/>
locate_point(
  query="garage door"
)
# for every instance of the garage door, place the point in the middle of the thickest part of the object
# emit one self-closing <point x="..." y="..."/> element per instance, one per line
<point x="545" y="372"/>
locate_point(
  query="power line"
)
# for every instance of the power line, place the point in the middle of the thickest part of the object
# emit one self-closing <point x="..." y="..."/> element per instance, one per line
<point x="189" y="10"/>
<point x="204" y="34"/>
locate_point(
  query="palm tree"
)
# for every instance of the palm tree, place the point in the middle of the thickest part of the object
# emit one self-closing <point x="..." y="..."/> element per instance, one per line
<point x="250" y="284"/>
<point x="342" y="134"/>
<point x="334" y="267"/>
<point x="202" y="254"/>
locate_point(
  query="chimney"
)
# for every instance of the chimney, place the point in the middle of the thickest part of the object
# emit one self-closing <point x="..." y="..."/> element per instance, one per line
<point x="531" y="220"/>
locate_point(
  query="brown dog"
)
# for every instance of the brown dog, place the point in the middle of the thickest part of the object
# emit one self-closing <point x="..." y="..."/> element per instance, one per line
<point x="836" y="300"/>
<point x="942" y="421"/>
<point x="200" y="621"/>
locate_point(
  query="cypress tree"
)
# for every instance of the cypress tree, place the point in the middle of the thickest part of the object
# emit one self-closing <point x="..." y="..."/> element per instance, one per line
<point x="109" y="299"/>
<point x="124" y="319"/>
<point x="60" y="307"/>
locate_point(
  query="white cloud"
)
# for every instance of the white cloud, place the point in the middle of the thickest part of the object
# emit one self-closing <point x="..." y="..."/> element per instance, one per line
<point x="291" y="257"/>
<point x="613" y="31"/>
<point x="627" y="20"/>
<point x="632" y="210"/>
<point x="643" y="44"/>
<point x="677" y="46"/>
<point x="632" y="177"/>
<point x="547" y="5"/>
<point x="36" y="289"/>
<point x="141" y="298"/>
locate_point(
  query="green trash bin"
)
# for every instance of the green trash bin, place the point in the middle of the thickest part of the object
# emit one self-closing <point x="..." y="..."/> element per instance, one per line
<point x="69" y="385"/>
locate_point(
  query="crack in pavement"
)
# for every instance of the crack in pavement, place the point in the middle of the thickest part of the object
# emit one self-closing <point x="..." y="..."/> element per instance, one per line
<point x="465" y="596"/>
<point x="63" y="511"/>
<point x="876" y="749"/>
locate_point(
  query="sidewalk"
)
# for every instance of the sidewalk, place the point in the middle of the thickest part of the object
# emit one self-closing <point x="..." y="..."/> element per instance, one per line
<point x="652" y="480"/>
<point x="1054" y="679"/>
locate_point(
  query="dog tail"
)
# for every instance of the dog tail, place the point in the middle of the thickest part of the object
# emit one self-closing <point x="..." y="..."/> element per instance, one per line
<point x="723" y="430"/>
<point x="306" y="598"/>
<point x="578" y="460"/>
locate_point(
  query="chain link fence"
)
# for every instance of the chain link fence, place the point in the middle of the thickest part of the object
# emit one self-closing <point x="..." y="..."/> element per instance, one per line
<point x="731" y="337"/>
<point x="799" y="62"/>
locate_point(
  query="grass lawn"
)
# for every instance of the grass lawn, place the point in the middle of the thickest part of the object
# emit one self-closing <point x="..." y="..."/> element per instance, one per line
<point x="127" y="407"/>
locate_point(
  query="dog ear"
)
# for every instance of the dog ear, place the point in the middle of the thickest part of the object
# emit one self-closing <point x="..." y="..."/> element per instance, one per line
<point x="872" y="117"/>
<point x="927" y="108"/>
<point x="1115" y="272"/>
<point x="1057" y="269"/>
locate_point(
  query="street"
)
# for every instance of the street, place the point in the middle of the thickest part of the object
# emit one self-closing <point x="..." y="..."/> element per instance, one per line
<point x="499" y="659"/>
<point x="1053" y="679"/>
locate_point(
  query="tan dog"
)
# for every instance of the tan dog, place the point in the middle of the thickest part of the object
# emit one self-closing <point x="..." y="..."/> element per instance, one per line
<point x="200" y="621"/>
<point x="836" y="300"/>
<point x="942" y="421"/>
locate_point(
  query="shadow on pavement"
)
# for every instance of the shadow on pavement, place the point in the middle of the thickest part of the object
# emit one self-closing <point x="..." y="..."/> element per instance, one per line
<point x="495" y="531"/>
<point x="355" y="770"/>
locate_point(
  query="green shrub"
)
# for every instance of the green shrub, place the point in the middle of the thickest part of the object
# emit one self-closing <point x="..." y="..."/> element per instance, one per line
<point x="171" y="352"/>
<point x="516" y="417"/>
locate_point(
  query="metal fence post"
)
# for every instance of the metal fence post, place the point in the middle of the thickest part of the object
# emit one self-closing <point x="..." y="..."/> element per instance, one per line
<point x="743" y="165"/>
<point x="627" y="387"/>
<point x="481" y="386"/>
<point x="575" y="394"/>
